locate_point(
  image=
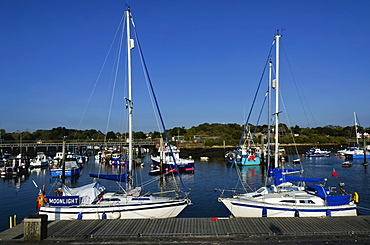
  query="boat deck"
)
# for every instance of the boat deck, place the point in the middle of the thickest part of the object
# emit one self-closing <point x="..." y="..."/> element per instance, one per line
<point x="214" y="229"/>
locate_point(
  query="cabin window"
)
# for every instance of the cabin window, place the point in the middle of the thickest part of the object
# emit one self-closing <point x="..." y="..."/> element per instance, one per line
<point x="307" y="201"/>
<point x="288" y="201"/>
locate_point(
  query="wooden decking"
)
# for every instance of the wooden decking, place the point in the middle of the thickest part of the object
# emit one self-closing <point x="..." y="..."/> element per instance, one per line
<point x="88" y="230"/>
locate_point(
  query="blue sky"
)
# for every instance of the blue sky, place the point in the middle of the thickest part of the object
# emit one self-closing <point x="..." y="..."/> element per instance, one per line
<point x="205" y="59"/>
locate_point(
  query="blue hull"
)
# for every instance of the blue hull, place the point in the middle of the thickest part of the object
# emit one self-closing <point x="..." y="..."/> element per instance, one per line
<point x="250" y="162"/>
<point x="246" y="161"/>
<point x="360" y="156"/>
<point x="68" y="172"/>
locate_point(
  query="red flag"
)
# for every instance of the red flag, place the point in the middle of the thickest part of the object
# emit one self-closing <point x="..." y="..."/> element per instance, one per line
<point x="334" y="173"/>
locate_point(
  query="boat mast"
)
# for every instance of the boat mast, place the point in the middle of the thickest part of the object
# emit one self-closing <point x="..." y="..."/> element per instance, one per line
<point x="356" y="127"/>
<point x="277" y="38"/>
<point x="268" y="117"/>
<point x="130" y="45"/>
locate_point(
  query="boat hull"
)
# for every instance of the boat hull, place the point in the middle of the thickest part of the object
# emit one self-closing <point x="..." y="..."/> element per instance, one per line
<point x="357" y="156"/>
<point x="131" y="210"/>
<point x="243" y="208"/>
<point x="183" y="165"/>
<point x="68" y="172"/>
<point x="318" y="155"/>
<point x="246" y="161"/>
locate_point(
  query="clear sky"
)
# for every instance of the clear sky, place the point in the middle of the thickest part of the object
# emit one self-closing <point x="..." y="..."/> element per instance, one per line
<point x="205" y="58"/>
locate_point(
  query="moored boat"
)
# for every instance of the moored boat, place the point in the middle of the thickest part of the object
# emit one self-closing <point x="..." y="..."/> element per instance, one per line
<point x="286" y="192"/>
<point x="93" y="201"/>
<point x="169" y="160"/>
<point x="41" y="160"/>
<point x="246" y="154"/>
<point x="317" y="152"/>
<point x="347" y="164"/>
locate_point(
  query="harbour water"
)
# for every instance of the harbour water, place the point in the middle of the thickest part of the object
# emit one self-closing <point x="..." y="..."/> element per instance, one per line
<point x="19" y="194"/>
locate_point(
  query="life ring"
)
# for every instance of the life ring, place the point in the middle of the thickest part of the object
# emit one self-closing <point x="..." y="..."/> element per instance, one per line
<point x="355" y="197"/>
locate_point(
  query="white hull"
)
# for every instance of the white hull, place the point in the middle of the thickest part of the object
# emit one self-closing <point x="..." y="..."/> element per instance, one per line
<point x="245" y="208"/>
<point x="126" y="209"/>
<point x="169" y="160"/>
<point x="39" y="164"/>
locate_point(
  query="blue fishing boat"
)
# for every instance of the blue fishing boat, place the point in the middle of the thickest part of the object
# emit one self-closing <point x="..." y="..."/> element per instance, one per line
<point x="247" y="153"/>
<point x="71" y="168"/>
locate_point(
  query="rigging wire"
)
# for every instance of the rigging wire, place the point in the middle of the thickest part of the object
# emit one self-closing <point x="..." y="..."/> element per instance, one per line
<point x="155" y="100"/>
<point x="249" y="114"/>
<point x="100" y="73"/>
<point x="298" y="88"/>
<point x="147" y="81"/>
<point x="115" y="80"/>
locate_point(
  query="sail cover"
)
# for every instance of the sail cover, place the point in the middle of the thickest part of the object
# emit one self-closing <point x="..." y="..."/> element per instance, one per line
<point x="281" y="177"/>
<point x="87" y="193"/>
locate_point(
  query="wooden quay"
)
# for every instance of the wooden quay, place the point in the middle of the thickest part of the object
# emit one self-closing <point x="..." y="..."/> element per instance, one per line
<point x="292" y="230"/>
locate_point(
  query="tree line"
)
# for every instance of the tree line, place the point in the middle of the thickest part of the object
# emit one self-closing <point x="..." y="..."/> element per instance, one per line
<point x="208" y="133"/>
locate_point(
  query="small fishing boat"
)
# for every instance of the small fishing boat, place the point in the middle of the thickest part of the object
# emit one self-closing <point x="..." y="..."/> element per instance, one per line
<point x="41" y="160"/>
<point x="169" y="160"/>
<point x="247" y="154"/>
<point x="116" y="159"/>
<point x="71" y="167"/>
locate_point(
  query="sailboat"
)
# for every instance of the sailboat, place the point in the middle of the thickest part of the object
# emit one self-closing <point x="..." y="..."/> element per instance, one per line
<point x="92" y="201"/>
<point x="355" y="152"/>
<point x="282" y="198"/>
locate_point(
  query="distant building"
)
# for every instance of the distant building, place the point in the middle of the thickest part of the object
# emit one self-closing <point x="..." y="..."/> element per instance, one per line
<point x="178" y="138"/>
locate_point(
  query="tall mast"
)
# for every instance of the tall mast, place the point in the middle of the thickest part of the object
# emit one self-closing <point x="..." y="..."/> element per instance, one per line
<point x="130" y="45"/>
<point x="277" y="37"/>
<point x="268" y="117"/>
<point x="356" y="127"/>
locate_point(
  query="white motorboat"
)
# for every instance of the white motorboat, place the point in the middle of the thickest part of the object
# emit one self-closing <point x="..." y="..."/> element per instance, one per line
<point x="41" y="160"/>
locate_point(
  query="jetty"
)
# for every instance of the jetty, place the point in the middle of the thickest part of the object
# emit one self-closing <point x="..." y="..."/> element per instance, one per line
<point x="268" y="230"/>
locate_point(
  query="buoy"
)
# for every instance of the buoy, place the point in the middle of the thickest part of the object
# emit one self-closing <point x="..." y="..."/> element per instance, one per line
<point x="302" y="155"/>
<point x="296" y="213"/>
<point x="79" y="216"/>
<point x="355" y="197"/>
<point x="328" y="212"/>
<point x="340" y="157"/>
<point x="104" y="216"/>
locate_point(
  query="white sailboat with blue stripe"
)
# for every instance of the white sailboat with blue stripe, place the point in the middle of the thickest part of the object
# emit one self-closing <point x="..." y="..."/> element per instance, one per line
<point x="92" y="201"/>
<point x="308" y="197"/>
